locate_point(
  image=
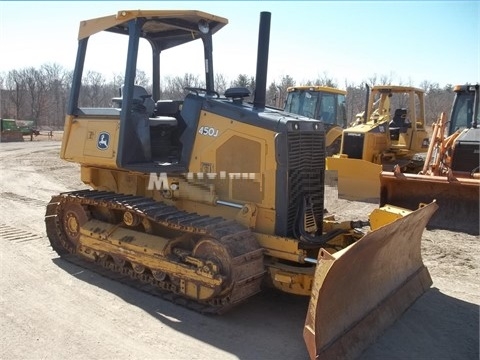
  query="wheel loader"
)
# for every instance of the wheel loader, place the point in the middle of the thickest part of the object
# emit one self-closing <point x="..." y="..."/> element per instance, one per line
<point x="451" y="171"/>
<point x="204" y="201"/>
<point x="390" y="132"/>
<point x="322" y="103"/>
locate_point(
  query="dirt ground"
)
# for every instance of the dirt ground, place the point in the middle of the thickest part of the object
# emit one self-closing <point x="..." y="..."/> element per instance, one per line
<point x="51" y="309"/>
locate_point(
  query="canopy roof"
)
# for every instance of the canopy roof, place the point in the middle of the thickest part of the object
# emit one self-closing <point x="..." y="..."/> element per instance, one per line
<point x="396" y="88"/>
<point x="317" y="88"/>
<point x="167" y="28"/>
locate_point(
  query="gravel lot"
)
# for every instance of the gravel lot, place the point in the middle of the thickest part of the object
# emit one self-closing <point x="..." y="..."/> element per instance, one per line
<point x="51" y="309"/>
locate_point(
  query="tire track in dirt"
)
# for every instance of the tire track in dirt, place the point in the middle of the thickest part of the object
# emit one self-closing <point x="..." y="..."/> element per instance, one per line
<point x="16" y="235"/>
<point x="24" y="199"/>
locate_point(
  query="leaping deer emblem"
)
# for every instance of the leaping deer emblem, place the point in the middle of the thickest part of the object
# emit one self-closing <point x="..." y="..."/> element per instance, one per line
<point x="103" y="139"/>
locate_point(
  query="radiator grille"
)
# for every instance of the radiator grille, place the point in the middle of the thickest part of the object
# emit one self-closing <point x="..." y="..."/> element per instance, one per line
<point x="353" y="145"/>
<point x="306" y="170"/>
<point x="466" y="157"/>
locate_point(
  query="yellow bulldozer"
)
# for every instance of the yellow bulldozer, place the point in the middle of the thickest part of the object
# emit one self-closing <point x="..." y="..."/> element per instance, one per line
<point x="205" y="200"/>
<point x="451" y="171"/>
<point x="322" y="103"/>
<point x="390" y="132"/>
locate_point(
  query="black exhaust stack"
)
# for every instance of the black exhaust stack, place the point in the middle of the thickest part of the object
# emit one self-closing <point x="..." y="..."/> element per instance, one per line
<point x="475" y="106"/>
<point x="367" y="99"/>
<point x="262" y="61"/>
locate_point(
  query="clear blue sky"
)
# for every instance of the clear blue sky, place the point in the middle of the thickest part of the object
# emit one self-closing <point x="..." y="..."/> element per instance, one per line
<point x="409" y="41"/>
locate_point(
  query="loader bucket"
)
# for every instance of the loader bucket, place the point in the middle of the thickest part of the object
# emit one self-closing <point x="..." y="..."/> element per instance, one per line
<point x="458" y="199"/>
<point x="361" y="290"/>
<point x="357" y="179"/>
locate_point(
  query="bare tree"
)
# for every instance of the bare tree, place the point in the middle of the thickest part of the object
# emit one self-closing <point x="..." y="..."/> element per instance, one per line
<point x="386" y="79"/>
<point x="174" y="86"/>
<point x="437" y="100"/>
<point x="42" y="93"/>
<point x="93" y="90"/>
<point x="356" y="95"/>
<point x="3" y="100"/>
<point x="376" y="79"/>
<point x="372" y="80"/>
<point x="16" y="93"/>
<point x="114" y="86"/>
<point x="57" y="80"/>
<point x="220" y="83"/>
<point x="285" y="82"/>
<point x="33" y="83"/>
<point x="325" y="80"/>
<point x="142" y="79"/>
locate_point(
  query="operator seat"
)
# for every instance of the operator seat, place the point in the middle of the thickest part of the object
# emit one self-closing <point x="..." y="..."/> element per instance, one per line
<point x="140" y="98"/>
<point x="143" y="108"/>
<point x="399" y="118"/>
<point x="398" y="124"/>
<point x="327" y="117"/>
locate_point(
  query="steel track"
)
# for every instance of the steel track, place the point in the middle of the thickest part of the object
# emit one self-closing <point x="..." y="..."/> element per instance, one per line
<point x="239" y="241"/>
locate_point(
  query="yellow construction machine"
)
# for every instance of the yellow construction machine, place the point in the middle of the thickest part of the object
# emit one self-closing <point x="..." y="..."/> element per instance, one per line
<point x="204" y="200"/>
<point x="322" y="103"/>
<point x="391" y="131"/>
<point x="451" y="171"/>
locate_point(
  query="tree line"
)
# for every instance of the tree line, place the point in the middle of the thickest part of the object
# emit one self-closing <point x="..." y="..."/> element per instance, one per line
<point x="41" y="94"/>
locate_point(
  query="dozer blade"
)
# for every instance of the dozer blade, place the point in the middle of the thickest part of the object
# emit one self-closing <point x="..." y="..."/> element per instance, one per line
<point x="361" y="290"/>
<point x="458" y="199"/>
<point x="357" y="179"/>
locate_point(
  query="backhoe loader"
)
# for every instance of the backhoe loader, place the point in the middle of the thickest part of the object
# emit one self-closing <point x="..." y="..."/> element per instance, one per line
<point x="205" y="200"/>
<point x="451" y="171"/>
<point x="322" y="103"/>
<point x="391" y="131"/>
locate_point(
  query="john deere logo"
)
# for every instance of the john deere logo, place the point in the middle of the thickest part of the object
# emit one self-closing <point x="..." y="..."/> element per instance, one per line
<point x="103" y="140"/>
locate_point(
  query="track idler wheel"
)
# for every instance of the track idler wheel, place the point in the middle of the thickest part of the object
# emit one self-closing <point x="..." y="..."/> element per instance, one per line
<point x="73" y="217"/>
<point x="217" y="260"/>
